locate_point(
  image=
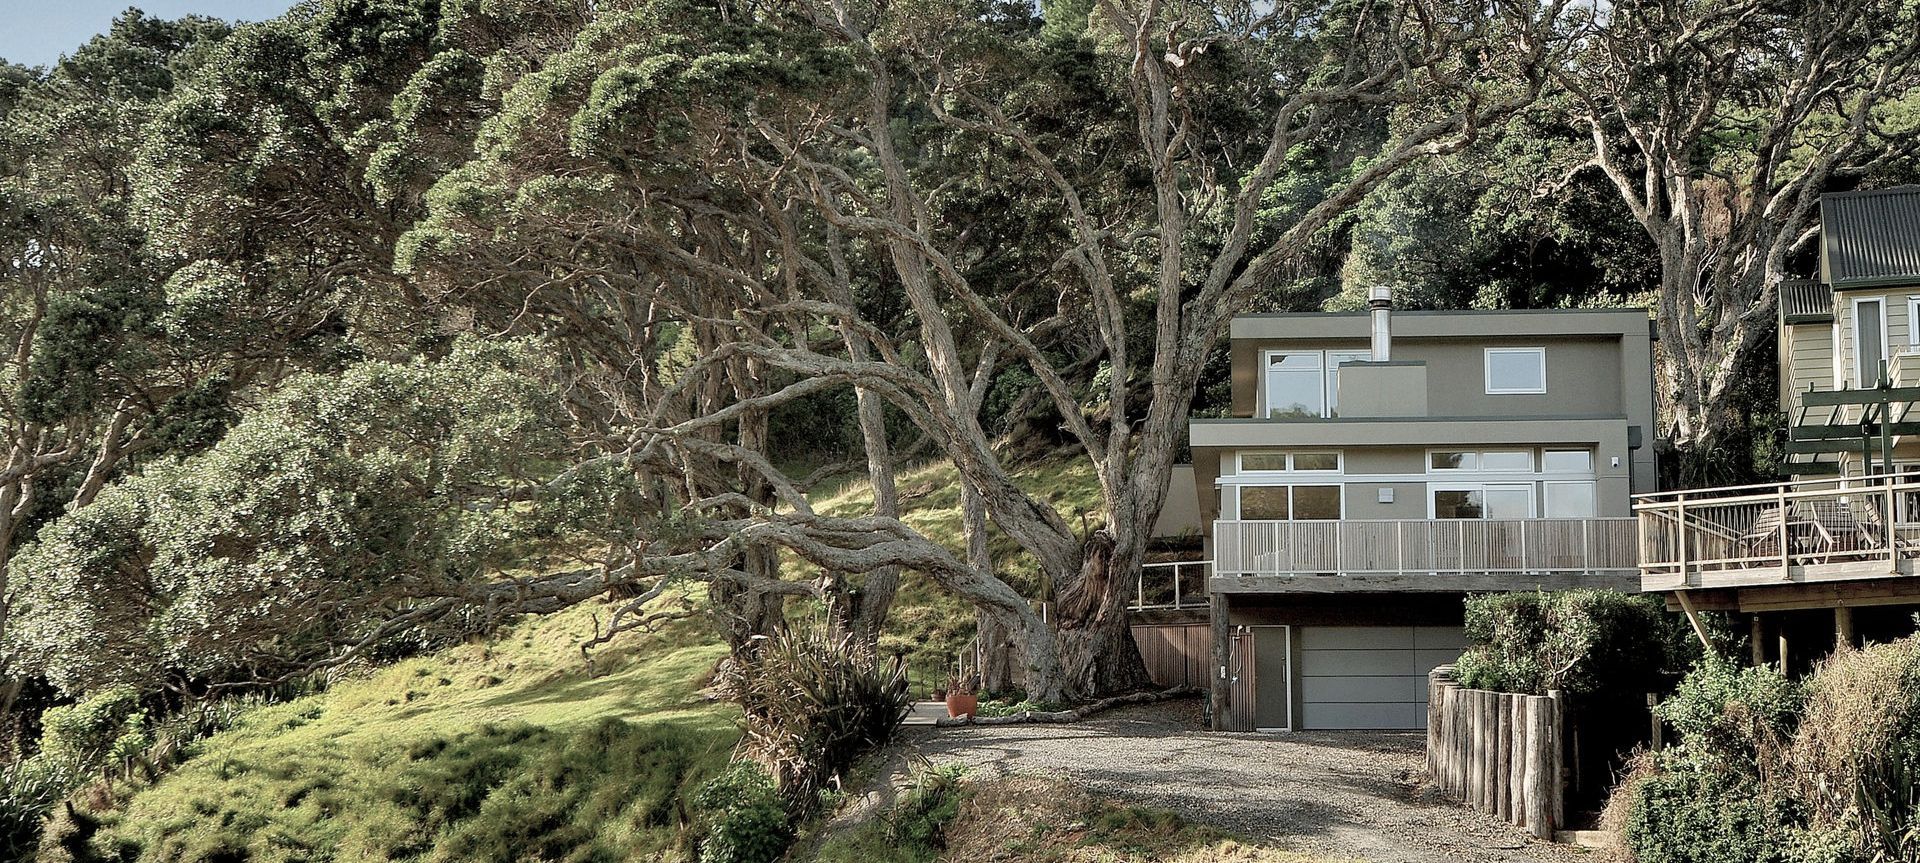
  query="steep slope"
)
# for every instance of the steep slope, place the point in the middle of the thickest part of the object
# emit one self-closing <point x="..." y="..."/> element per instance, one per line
<point x="498" y="751"/>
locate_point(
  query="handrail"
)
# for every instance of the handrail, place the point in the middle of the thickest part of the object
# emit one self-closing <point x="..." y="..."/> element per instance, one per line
<point x="1425" y="546"/>
<point x="1829" y="485"/>
<point x="1180" y="598"/>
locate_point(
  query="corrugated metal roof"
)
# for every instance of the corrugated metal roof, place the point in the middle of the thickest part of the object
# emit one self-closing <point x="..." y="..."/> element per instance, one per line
<point x="1872" y="237"/>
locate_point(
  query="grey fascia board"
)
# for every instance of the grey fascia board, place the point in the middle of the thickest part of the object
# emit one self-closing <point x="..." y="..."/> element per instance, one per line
<point x="1882" y="282"/>
<point x="1445" y="324"/>
<point x="1403" y="431"/>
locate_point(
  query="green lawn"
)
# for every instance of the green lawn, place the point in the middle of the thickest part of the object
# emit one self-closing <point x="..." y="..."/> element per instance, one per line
<point x="501" y="751"/>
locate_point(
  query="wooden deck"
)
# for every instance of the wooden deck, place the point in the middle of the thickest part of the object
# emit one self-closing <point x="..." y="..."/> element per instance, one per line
<point x="1854" y="537"/>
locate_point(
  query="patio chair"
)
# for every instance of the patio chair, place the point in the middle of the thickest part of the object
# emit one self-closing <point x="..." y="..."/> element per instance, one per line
<point x="1762" y="538"/>
<point x="1835" y="528"/>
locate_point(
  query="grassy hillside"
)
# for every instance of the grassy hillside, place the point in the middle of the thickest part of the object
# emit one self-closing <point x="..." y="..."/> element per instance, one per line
<point x="512" y="749"/>
<point x="502" y="751"/>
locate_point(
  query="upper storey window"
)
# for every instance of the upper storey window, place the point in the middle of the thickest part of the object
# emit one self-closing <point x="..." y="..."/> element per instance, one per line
<point x="1513" y="371"/>
<point x="1298" y="384"/>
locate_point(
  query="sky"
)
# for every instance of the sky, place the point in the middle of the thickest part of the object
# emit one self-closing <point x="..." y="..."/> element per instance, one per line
<point x="37" y="32"/>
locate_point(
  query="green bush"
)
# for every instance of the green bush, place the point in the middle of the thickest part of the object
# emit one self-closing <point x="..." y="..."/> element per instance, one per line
<point x="1696" y="813"/>
<point x="1768" y="769"/>
<point x="742" y="817"/>
<point x="1583" y="642"/>
<point x="812" y="704"/>
<point x="104" y="729"/>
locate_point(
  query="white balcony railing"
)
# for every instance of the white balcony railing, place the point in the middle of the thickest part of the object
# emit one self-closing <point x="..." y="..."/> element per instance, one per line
<point x="1690" y="537"/>
<point x="1429" y="546"/>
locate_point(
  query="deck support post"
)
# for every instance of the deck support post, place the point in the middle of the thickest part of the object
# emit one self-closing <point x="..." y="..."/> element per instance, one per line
<point x="1699" y="630"/>
<point x="1758" y="640"/>
<point x="1219" y="685"/>
<point x="1783" y="649"/>
<point x="1843" y="626"/>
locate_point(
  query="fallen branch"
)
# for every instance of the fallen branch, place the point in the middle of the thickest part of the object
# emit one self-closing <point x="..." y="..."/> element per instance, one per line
<point x="1074" y="715"/>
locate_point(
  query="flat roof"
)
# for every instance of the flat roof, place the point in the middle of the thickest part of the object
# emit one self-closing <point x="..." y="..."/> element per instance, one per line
<point x="1445" y="323"/>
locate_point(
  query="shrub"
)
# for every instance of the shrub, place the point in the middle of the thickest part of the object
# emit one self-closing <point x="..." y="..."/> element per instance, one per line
<point x="812" y="705"/>
<point x="920" y="820"/>
<point x="106" y="728"/>
<point x="1735" y="713"/>
<point x="1583" y="642"/>
<point x="742" y="818"/>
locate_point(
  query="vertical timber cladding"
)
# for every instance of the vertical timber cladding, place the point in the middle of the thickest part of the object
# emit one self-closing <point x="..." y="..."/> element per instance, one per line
<point x="1370" y="676"/>
<point x="1176" y="654"/>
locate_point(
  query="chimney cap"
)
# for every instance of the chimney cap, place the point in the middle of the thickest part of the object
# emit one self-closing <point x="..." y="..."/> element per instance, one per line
<point x="1380" y="297"/>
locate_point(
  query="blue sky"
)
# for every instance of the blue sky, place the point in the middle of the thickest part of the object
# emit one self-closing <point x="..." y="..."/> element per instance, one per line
<point x="37" y="32"/>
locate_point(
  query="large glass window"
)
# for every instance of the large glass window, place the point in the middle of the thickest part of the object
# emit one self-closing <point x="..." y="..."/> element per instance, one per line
<point x="1316" y="501"/>
<point x="1516" y="370"/>
<point x="1296" y="385"/>
<point x="1493" y="500"/>
<point x="1263" y="503"/>
<point x="1280" y="502"/>
<point x="1571" y="500"/>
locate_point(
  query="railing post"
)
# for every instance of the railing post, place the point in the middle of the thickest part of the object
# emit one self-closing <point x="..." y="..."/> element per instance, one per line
<point x="1400" y="547"/>
<point x="1140" y="589"/>
<point x="1586" y="546"/>
<point x="1780" y="500"/>
<point x="1176" y="585"/>
<point x="1680" y="518"/>
<point x="1886" y="530"/>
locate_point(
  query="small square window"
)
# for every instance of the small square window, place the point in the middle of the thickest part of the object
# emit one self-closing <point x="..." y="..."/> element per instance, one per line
<point x="1516" y="370"/>
<point x="1316" y="461"/>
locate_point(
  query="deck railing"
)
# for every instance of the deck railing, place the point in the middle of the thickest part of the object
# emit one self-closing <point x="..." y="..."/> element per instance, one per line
<point x="1426" y="546"/>
<point x="1778" y="526"/>
<point x="1171" y="585"/>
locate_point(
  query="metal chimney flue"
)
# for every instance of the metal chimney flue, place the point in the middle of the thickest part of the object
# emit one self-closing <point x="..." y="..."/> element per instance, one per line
<point x="1380" y="303"/>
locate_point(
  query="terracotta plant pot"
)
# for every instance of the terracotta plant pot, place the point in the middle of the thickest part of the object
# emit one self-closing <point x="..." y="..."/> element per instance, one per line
<point x="962" y="704"/>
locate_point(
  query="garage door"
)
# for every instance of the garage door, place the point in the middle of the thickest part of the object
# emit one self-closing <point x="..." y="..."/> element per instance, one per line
<point x="1371" y="676"/>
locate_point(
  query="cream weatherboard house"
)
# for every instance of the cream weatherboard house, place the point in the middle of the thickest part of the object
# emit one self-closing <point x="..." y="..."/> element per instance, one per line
<point x="1828" y="556"/>
<point x="1380" y="466"/>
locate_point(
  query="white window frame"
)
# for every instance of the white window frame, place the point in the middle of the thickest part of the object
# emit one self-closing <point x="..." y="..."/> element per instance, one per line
<point x="1329" y="375"/>
<point x="1306" y="480"/>
<point x="1533" y="462"/>
<point x="1487" y="371"/>
<point x="1453" y="470"/>
<point x="1859" y="372"/>
<point x="1433" y="488"/>
<point x="1592" y="458"/>
<point x="1339" y="463"/>
<point x="1913" y="315"/>
<point x="1266" y="369"/>
<point x="1546" y="496"/>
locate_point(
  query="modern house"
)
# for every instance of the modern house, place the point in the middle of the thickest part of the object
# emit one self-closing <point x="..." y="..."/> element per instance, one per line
<point x="1379" y="466"/>
<point x="1799" y="557"/>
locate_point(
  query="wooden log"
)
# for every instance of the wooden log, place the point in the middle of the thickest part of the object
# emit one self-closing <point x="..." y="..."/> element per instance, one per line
<point x="1434" y="694"/>
<point x="1474" y="748"/>
<point x="1517" y="770"/>
<point x="1219" y="659"/>
<point x="1540" y="778"/>
<point x="1490" y="754"/>
<point x="1502" y="756"/>
<point x="1462" y="742"/>
<point x="1557" y="730"/>
<point x="1482" y="753"/>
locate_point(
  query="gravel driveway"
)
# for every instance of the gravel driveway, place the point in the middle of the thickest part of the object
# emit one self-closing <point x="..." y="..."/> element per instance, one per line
<point x="1341" y="794"/>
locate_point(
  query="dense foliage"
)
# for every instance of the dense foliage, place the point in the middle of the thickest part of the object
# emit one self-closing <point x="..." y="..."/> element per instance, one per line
<point x="1768" y="769"/>
<point x="1587" y="643"/>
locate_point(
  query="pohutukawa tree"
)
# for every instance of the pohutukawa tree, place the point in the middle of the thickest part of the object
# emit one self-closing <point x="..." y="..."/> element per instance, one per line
<point x="1720" y="123"/>
<point x="751" y="183"/>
